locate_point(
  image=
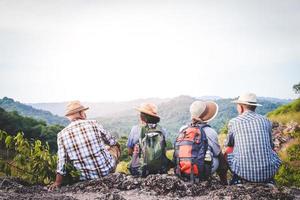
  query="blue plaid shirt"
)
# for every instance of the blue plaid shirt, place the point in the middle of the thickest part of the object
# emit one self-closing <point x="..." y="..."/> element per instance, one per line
<point x="83" y="144"/>
<point x="252" y="158"/>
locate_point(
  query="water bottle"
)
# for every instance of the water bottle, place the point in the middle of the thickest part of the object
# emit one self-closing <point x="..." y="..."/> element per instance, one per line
<point x="207" y="164"/>
<point x="208" y="156"/>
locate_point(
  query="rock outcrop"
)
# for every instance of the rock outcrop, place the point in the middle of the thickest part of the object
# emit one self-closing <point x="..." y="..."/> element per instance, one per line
<point x="120" y="186"/>
<point x="284" y="134"/>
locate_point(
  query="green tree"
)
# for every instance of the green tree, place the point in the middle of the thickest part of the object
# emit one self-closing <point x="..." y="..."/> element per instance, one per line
<point x="296" y="88"/>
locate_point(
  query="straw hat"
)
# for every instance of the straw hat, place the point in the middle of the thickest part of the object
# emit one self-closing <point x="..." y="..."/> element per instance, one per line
<point x="74" y="107"/>
<point x="204" y="111"/>
<point x="148" y="108"/>
<point x="247" y="99"/>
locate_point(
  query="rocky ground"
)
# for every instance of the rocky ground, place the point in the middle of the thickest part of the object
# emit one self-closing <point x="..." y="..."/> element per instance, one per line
<point x="283" y="134"/>
<point x="119" y="187"/>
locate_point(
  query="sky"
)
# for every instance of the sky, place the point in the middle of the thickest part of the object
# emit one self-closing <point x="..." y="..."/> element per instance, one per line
<point x="92" y="50"/>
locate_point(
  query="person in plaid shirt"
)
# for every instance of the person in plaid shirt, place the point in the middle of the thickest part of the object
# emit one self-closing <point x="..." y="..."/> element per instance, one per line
<point x="93" y="151"/>
<point x="250" y="154"/>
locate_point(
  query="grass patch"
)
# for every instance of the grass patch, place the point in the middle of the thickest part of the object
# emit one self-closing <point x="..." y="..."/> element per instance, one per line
<point x="285" y="118"/>
<point x="286" y="113"/>
<point x="122" y="167"/>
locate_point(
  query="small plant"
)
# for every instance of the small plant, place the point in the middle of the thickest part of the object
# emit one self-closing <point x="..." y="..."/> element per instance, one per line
<point x="32" y="162"/>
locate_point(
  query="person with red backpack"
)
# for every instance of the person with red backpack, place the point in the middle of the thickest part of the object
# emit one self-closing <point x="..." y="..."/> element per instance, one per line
<point x="197" y="153"/>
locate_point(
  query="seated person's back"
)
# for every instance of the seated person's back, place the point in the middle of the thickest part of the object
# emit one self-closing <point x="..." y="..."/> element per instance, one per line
<point x="197" y="151"/>
<point x="146" y="144"/>
<point x="250" y="135"/>
<point x="84" y="144"/>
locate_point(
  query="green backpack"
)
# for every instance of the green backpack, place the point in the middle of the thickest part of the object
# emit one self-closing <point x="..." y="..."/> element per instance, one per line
<point x="152" y="151"/>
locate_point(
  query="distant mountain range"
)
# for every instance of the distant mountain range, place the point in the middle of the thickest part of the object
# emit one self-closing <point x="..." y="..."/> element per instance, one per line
<point x="119" y="117"/>
<point x="175" y="113"/>
<point x="98" y="109"/>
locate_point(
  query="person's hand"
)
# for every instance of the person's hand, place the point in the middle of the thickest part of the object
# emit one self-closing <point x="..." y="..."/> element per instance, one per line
<point x="118" y="145"/>
<point x="53" y="186"/>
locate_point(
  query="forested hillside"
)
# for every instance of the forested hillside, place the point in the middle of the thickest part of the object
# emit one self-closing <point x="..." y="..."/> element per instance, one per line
<point x="33" y="129"/>
<point x="9" y="104"/>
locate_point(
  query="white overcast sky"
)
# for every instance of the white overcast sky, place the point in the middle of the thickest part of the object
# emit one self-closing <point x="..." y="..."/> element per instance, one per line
<point x="60" y="50"/>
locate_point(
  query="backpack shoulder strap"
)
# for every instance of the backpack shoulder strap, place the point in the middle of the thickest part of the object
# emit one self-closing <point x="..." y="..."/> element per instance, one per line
<point x="203" y="134"/>
<point x="146" y="128"/>
<point x="161" y="130"/>
<point x="158" y="127"/>
<point x="202" y="126"/>
<point x="143" y="130"/>
<point x="184" y="127"/>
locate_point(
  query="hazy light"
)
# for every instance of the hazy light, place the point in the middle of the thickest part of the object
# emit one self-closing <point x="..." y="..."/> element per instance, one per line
<point x="116" y="50"/>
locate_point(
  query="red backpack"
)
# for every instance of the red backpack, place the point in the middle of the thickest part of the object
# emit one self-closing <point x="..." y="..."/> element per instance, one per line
<point x="189" y="155"/>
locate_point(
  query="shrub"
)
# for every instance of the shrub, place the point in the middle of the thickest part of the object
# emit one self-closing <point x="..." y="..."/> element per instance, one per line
<point x="289" y="172"/>
<point x="32" y="162"/>
<point x="288" y="175"/>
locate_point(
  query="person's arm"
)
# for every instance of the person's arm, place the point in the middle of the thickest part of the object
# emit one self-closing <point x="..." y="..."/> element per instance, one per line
<point x="229" y="142"/>
<point x="57" y="183"/>
<point x="165" y="135"/>
<point x="107" y="137"/>
<point x="60" y="164"/>
<point x="130" y="141"/>
<point x="271" y="136"/>
<point x="130" y="151"/>
<point x="213" y="142"/>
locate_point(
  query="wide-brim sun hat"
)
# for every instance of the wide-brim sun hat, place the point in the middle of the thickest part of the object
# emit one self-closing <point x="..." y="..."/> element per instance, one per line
<point x="74" y="107"/>
<point x="204" y="111"/>
<point x="247" y="99"/>
<point x="149" y="109"/>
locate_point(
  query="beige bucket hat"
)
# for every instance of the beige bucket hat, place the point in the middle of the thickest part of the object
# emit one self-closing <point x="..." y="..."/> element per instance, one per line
<point x="204" y="111"/>
<point x="74" y="107"/>
<point x="148" y="108"/>
<point x="247" y="99"/>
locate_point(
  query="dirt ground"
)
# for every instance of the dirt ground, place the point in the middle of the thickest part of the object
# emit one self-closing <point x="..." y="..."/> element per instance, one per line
<point x="154" y="187"/>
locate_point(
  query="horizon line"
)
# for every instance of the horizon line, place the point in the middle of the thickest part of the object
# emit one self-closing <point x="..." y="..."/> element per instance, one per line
<point x="214" y="97"/>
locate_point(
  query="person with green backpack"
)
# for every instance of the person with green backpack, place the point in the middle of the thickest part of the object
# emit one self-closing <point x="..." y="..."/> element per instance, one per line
<point x="147" y="144"/>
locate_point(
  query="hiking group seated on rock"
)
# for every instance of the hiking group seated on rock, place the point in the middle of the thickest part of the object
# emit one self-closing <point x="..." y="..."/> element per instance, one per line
<point x="249" y="155"/>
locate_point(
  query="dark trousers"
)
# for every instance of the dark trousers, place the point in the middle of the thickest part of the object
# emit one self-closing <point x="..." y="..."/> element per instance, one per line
<point x="235" y="178"/>
<point x="238" y="180"/>
<point x="222" y="169"/>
